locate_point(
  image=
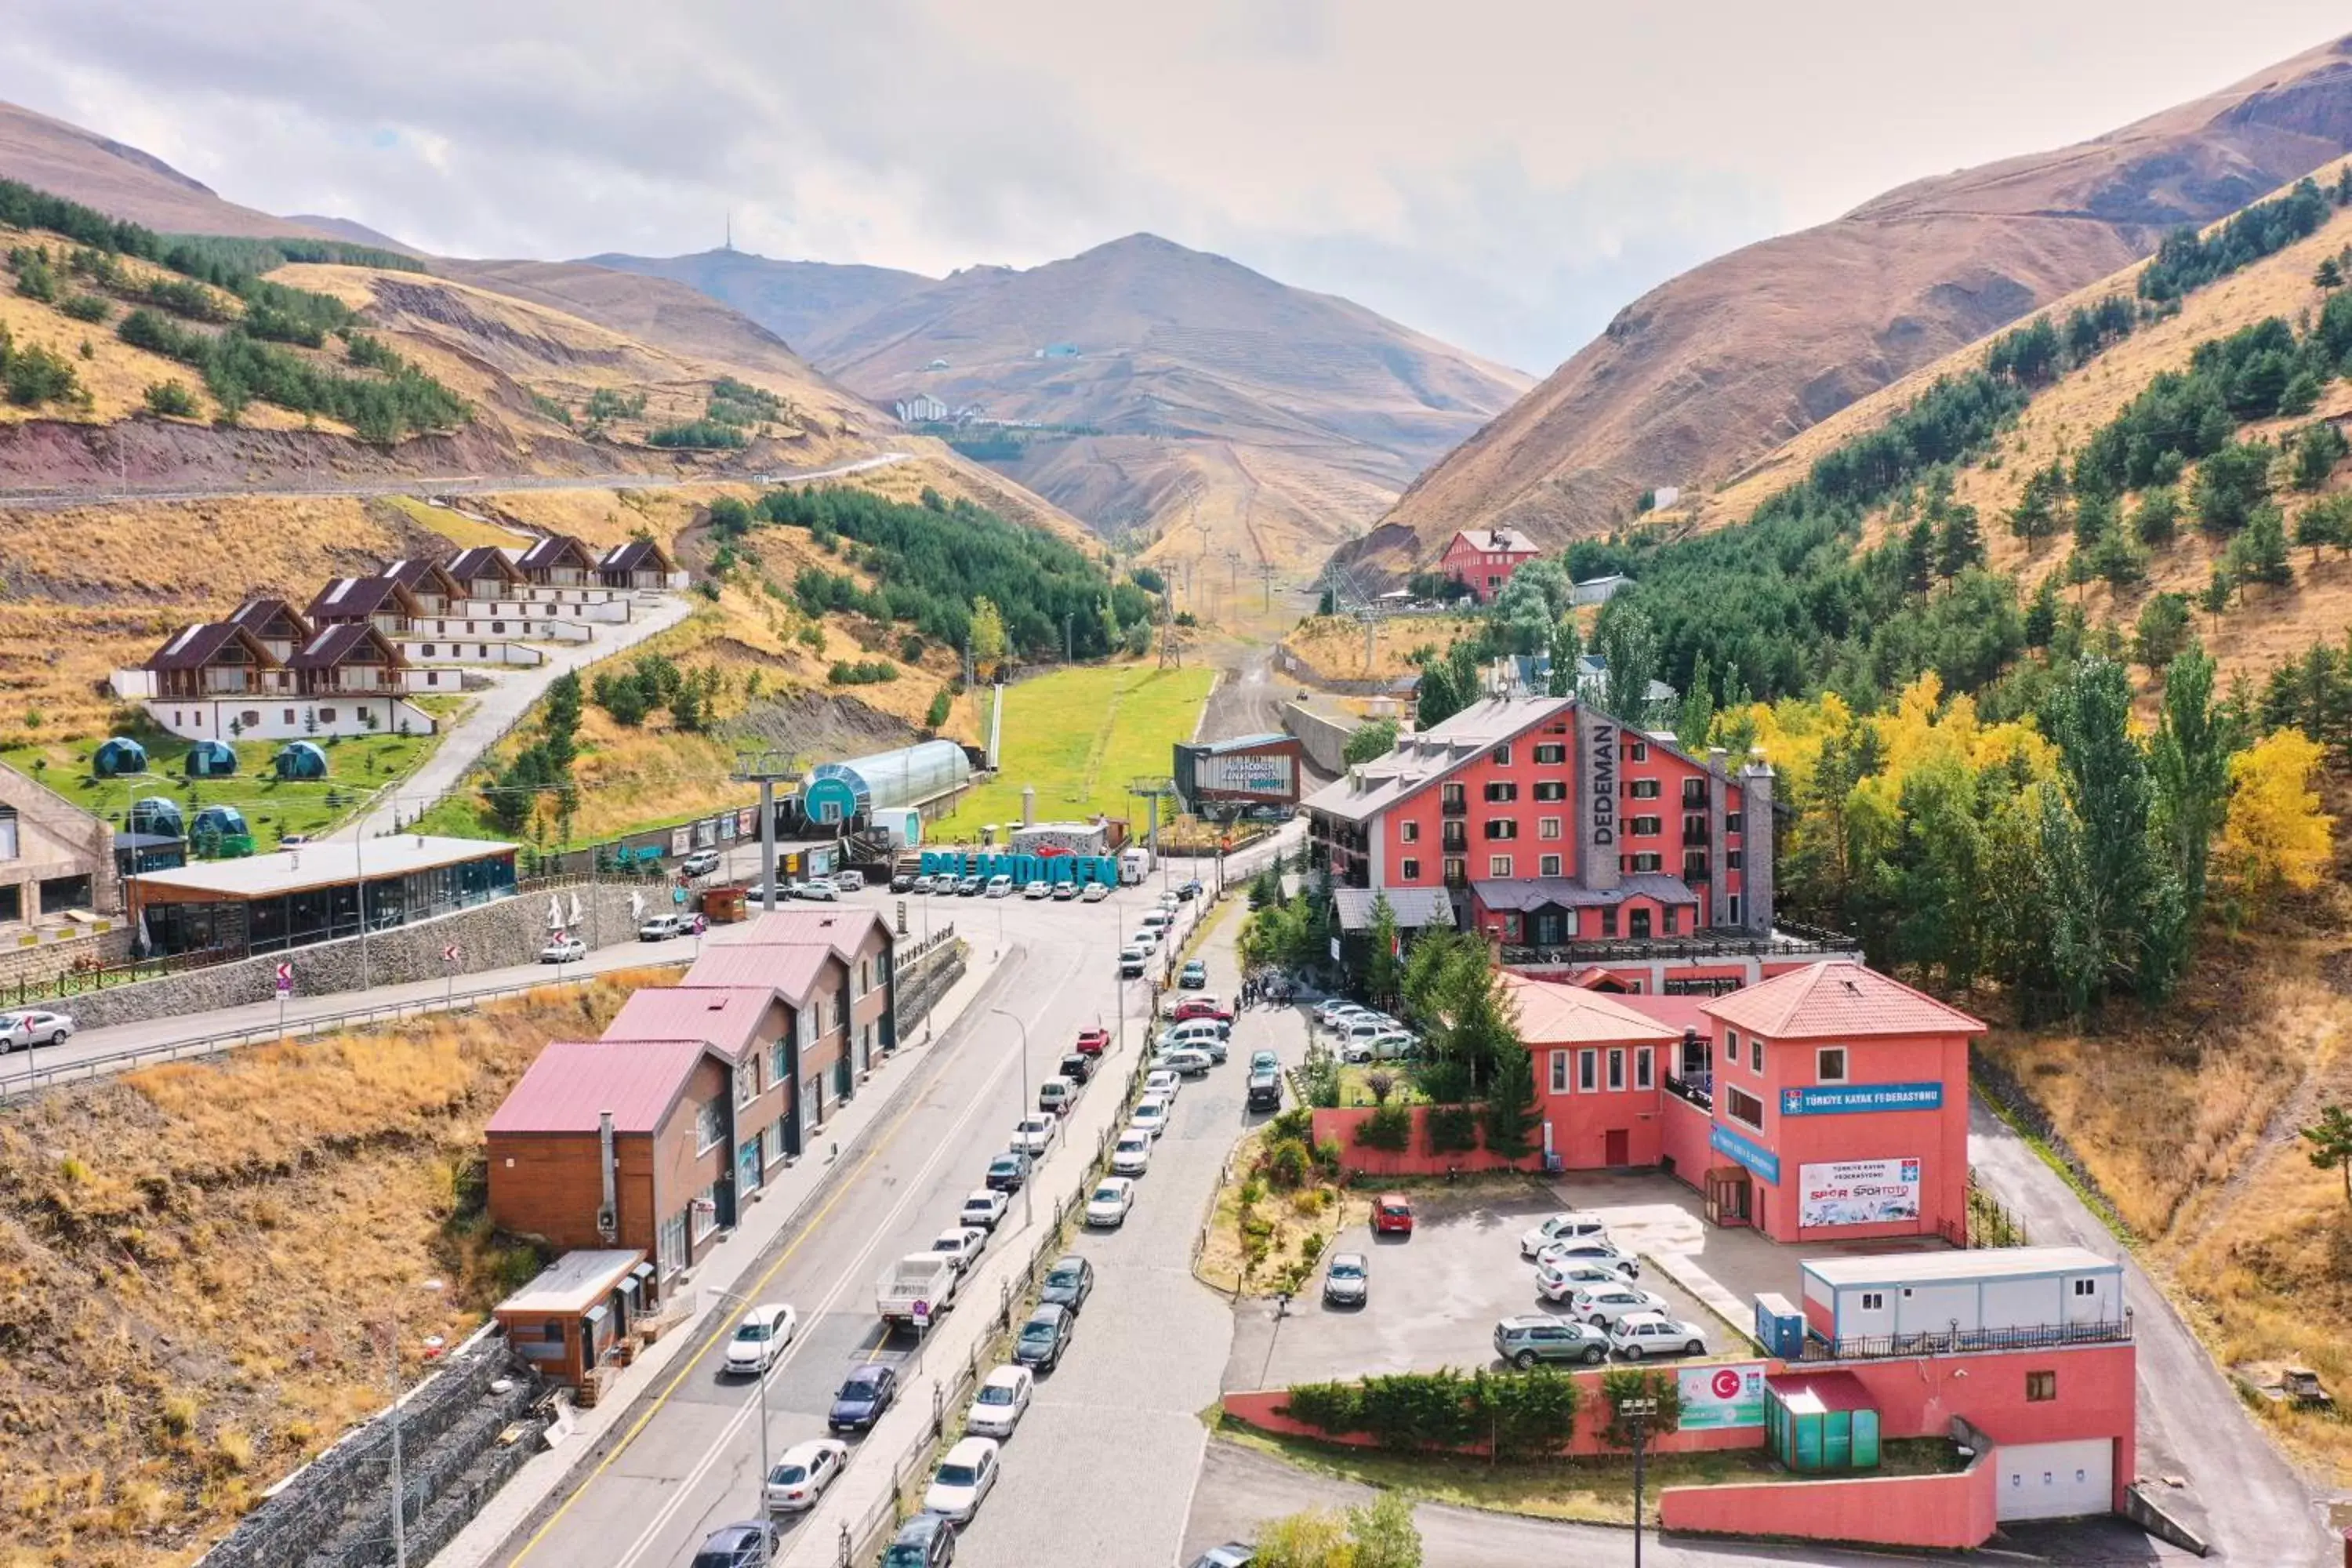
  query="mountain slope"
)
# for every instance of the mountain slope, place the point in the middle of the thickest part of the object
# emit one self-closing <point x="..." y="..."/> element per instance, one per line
<point x="122" y="180"/>
<point x="797" y="300"/>
<point x="1696" y="379"/>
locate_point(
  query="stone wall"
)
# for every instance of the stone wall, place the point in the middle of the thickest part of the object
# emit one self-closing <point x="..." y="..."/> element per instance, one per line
<point x="41" y="956"/>
<point x="1324" y="738"/>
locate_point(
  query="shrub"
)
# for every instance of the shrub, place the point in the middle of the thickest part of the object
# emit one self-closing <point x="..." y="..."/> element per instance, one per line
<point x="171" y="398"/>
<point x="1333" y="1407"/>
<point x="1327" y="1159"/>
<point x="1528" y="1415"/>
<point x="1419" y="1410"/>
<point x="938" y="714"/>
<point x="1287" y="1164"/>
<point x="1297" y="1122"/>
<point x="864" y="672"/>
<point x="1390" y="1127"/>
<point x="1451" y="1129"/>
<point x="88" y="308"/>
<point x="1620" y="1383"/>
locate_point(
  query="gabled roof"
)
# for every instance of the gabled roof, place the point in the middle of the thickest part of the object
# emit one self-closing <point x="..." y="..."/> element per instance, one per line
<point x="728" y="1016"/>
<point x="483" y="561"/>
<point x="419" y="575"/>
<point x="557" y="550"/>
<point x="271" y="618"/>
<point x="1838" y="999"/>
<point x="841" y="927"/>
<point x="1415" y="908"/>
<point x="1535" y="892"/>
<point x="1505" y="541"/>
<point x="1680" y="1014"/>
<point x="193" y="648"/>
<point x="342" y="643"/>
<point x="1420" y="761"/>
<point x="636" y="555"/>
<point x="574" y="1081"/>
<point x="356" y="598"/>
<point x="1553" y="1013"/>
<point x="790" y="973"/>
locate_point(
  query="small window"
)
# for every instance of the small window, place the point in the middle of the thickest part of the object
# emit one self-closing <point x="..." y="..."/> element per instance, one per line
<point x="1409" y="832"/>
<point x="1588" y="1071"/>
<point x="2086" y="1287"/>
<point x="1609" y="919"/>
<point x="1643" y="827"/>
<point x="1616" y="1070"/>
<point x="1734" y="859"/>
<point x="1549" y="756"/>
<point x="1734" y="908"/>
<point x="1498" y="865"/>
<point x="1756" y="1050"/>
<point x="2040" y="1387"/>
<point x="326" y="715"/>
<point x="1502" y="790"/>
<point x="1639" y="752"/>
<point x="1731" y="1045"/>
<point x="1410" y="871"/>
<point x="1551" y="864"/>
<point x="250" y="718"/>
<point x="1732" y="821"/>
<point x="1830" y="1064"/>
<point x="426" y="650"/>
<point x="1547" y="827"/>
<point x="290" y="715"/>
<point x="1744" y="1108"/>
<point x="1642" y="789"/>
<point x="1643" y="1070"/>
<point x="1550" y="789"/>
<point x="1559" y="1072"/>
<point x="1503" y="756"/>
<point x="1502" y="828"/>
<point x="1874" y="1300"/>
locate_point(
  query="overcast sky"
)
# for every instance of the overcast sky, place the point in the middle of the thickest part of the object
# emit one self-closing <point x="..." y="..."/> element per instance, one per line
<point x="1505" y="174"/>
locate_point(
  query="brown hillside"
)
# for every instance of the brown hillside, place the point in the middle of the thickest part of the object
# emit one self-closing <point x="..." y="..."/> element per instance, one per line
<point x="1700" y="377"/>
<point x="105" y="173"/>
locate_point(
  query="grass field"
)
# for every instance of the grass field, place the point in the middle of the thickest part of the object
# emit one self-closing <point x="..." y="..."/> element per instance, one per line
<point x="356" y="767"/>
<point x="1080" y="736"/>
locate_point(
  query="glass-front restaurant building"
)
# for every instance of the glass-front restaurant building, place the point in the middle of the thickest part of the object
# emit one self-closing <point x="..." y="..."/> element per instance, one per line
<point x="296" y="897"/>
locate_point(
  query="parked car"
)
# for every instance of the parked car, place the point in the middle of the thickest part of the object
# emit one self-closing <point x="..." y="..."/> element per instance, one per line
<point x="969" y="887"/>
<point x="1392" y="1215"/>
<point x="925" y="884"/>
<point x="1065" y="891"/>
<point x="1078" y="1067"/>
<point x="1638" y="1334"/>
<point x="1569" y="1226"/>
<point x="1131" y="960"/>
<point x="1195" y="975"/>
<point x="702" y="863"/>
<point x="1265" y="1091"/>
<point x="1007" y="1172"/>
<point x="1095" y="892"/>
<point x="800" y="1476"/>
<point x="1190" y="890"/>
<point x="1231" y="1554"/>
<point x="961" y="1242"/>
<point x="863" y="1396"/>
<point x="1593" y="1249"/>
<point x="1033" y="1135"/>
<point x="1044" y="1336"/>
<point x="1132" y="1155"/>
<point x="820" y="889"/>
<point x="1265" y="1062"/>
<point x="1558" y="1281"/>
<point x="926" y="1540"/>
<point x="1068" y="1283"/>
<point x="1201" y="1006"/>
<point x="1038" y="888"/>
<point x="1163" y="1081"/>
<point x="1348" y="1279"/>
<point x="1094" y="1042"/>
<point x="563" y="950"/>
<point x="1114" y="1195"/>
<point x="1146" y="940"/>
<point x="1605" y="1304"/>
<point x="1150" y="1115"/>
<point x="1190" y="1061"/>
<point x="1330" y="1013"/>
<point x="1000" y="886"/>
<point x="751" y="1545"/>
<point x="1002" y="1399"/>
<point x="904" y="882"/>
<point x="984" y="1209"/>
<point x="849" y="881"/>
<point x="661" y="928"/>
<point x="1386" y="1046"/>
<point x="761" y="1338"/>
<point x="964" y="1480"/>
<point x="1158" y="922"/>
<point x="1056" y="1096"/>
<point x="1525" y="1341"/>
<point x="1192" y="1032"/>
<point x="21" y="1030"/>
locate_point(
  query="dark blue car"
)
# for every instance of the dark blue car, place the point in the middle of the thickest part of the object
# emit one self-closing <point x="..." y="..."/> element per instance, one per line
<point x="864" y="1395"/>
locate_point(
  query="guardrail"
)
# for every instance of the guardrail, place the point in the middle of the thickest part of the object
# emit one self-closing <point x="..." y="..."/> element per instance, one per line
<point x="1957" y="1340"/>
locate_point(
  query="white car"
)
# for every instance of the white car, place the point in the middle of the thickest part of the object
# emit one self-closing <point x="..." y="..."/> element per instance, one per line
<point x="1147" y="940"/>
<point x="1157" y="921"/>
<point x="983" y="1209"/>
<point x="563" y="950"/>
<point x="1033" y="1135"/>
<point x="1382" y="1046"/>
<point x="818" y="888"/>
<point x="1002" y="1400"/>
<point x="800" y="1476"/>
<point x="1132" y="1155"/>
<point x="1330" y="1013"/>
<point x="1185" y="1061"/>
<point x="761" y="1338"/>
<point x="1603" y="1305"/>
<point x="1593" y="1249"/>
<point x="1150" y="1116"/>
<point x="20" y="1031"/>
<point x="849" y="881"/>
<point x="963" y="1242"/>
<point x="1114" y="1195"/>
<point x="661" y="928"/>
<point x="1095" y="892"/>
<point x="1568" y="1227"/>
<point x="1163" y="1083"/>
<point x="964" y="1480"/>
<point x="1133" y="961"/>
<point x="1000" y="886"/>
<point x="1638" y="1334"/>
<point x="1065" y="891"/>
<point x="1039" y="888"/>
<point x="1558" y="1281"/>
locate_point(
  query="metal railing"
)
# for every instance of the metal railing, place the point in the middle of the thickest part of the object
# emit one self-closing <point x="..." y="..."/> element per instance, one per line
<point x="1698" y="1092"/>
<point x="1641" y="950"/>
<point x="1957" y="1340"/>
<point x="81" y="982"/>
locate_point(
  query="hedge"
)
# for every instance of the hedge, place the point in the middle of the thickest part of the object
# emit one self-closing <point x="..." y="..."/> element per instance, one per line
<point x="1451" y="1129"/>
<point x="1389" y="1127"/>
<point x="1523" y="1415"/>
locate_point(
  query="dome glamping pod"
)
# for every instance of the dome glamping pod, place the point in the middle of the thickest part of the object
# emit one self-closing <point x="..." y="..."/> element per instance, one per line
<point x="210" y="760"/>
<point x="219" y="833"/>
<point x="158" y="815"/>
<point x="300" y="760"/>
<point x="839" y="792"/>
<point x="118" y="757"/>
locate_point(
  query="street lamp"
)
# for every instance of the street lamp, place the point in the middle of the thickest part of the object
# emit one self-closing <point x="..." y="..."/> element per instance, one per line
<point x="399" y="1488"/>
<point x="1028" y="1212"/>
<point x="766" y="1539"/>
<point x="1637" y="1414"/>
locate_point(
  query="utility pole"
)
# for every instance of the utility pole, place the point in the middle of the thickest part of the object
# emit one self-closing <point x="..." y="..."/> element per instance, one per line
<point x="767" y="769"/>
<point x="1637" y="1414"/>
<point x="1028" y="1212"/>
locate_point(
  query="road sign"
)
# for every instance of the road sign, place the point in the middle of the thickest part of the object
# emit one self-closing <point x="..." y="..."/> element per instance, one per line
<point x="449" y="954"/>
<point x="285" y="981"/>
<point x="922" y="1310"/>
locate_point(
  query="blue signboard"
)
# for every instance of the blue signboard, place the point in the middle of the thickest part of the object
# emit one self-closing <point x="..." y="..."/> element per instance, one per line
<point x="1833" y="1098"/>
<point x="1747" y="1152"/>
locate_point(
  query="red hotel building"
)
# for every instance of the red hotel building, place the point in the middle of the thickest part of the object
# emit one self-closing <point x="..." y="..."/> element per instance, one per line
<point x="1483" y="559"/>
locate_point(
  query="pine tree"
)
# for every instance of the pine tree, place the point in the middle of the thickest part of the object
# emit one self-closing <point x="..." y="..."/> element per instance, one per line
<point x="2189" y="763"/>
<point x="2216" y="596"/>
<point x="2042" y="614"/>
<point x="1383" y="969"/>
<point x="1919" y="556"/>
<point x="2265" y="542"/>
<point x="1511" y="1101"/>
<point x="1698" y="709"/>
<point x="1960" y="543"/>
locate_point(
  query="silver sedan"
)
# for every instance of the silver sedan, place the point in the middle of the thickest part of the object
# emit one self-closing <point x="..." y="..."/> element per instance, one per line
<point x="22" y="1030"/>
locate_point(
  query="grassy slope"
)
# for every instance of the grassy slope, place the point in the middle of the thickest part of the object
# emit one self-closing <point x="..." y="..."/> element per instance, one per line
<point x="1334" y="645"/>
<point x="175" y="1256"/>
<point x="1080" y="736"/>
<point x="272" y="808"/>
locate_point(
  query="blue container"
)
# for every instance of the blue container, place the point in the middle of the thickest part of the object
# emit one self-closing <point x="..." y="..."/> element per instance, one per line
<point x="1779" y="1328"/>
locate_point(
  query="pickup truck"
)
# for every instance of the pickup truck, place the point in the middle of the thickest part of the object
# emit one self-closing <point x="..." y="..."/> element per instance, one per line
<point x="928" y="1279"/>
<point x="1094" y="1042"/>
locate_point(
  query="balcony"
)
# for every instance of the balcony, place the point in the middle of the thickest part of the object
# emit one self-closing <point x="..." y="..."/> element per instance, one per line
<point x="1960" y="1342"/>
<point x="1702" y="947"/>
<point x="1698" y="1090"/>
<point x="1452" y="808"/>
<point x="1453" y="841"/>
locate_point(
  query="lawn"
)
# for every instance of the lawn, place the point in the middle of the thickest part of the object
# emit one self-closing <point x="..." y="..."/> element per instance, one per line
<point x="356" y="767"/>
<point x="1081" y="736"/>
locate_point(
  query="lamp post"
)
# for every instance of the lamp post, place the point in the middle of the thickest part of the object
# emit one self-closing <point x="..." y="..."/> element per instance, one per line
<point x="767" y="1541"/>
<point x="1637" y="1414"/>
<point x="1028" y="1213"/>
<point x="399" y="1487"/>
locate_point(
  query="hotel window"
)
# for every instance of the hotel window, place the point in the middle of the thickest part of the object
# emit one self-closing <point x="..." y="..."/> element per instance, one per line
<point x="1547" y="827"/>
<point x="1744" y="1108"/>
<point x="1672" y="918"/>
<point x="1642" y="827"/>
<point x="1735" y="859"/>
<point x="1552" y="756"/>
<point x="1410" y="871"/>
<point x="1693" y="792"/>
<point x="1457" y="871"/>
<point x="706" y="1211"/>
<point x="1551" y="789"/>
<point x="1639" y="752"/>
<point x="1732" y="821"/>
<point x="1641" y="789"/>
<point x="1731" y="1045"/>
<point x="1559" y="1072"/>
<point x="1503" y="756"/>
<point x="1502" y="828"/>
<point x="1829" y="1064"/>
<point x="1498" y="865"/>
<point x="1640" y="864"/>
<point x="1694" y="829"/>
<point x="1756" y="1053"/>
<point x="1549" y="866"/>
<point x="1642" y="1068"/>
<point x="709" y="1126"/>
<point x="2040" y="1387"/>
<point x="1734" y="902"/>
<point x="1502" y="790"/>
<point x="1609" y="919"/>
<point x="1408" y="832"/>
<point x="1588" y="1071"/>
<point x="1616" y="1070"/>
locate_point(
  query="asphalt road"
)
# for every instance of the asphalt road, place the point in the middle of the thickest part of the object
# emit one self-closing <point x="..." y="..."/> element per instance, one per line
<point x="1249" y="700"/>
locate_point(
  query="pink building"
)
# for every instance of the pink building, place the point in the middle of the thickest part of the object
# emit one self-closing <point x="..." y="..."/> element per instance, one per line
<point x="1485" y="558"/>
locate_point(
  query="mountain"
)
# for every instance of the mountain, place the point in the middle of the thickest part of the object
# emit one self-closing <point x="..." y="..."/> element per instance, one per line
<point x="351" y="229"/>
<point x="122" y="180"/>
<point x="797" y="300"/>
<point x="1699" y="377"/>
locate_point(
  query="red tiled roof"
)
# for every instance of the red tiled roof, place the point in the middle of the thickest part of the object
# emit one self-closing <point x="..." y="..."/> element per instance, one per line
<point x="1676" y="1013"/>
<point x="789" y="971"/>
<point x="841" y="928"/>
<point x="574" y="1081"/>
<point x="1553" y="1013"/>
<point x="729" y="1017"/>
<point x="1836" y="1000"/>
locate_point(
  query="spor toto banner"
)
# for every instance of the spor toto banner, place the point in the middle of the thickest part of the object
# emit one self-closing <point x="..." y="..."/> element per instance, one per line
<point x="1714" y="1397"/>
<point x="1857" y="1192"/>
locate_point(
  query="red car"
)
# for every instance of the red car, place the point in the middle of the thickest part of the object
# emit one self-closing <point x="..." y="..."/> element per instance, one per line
<point x="1094" y="1042"/>
<point x="1202" y="1007"/>
<point x="1391" y="1213"/>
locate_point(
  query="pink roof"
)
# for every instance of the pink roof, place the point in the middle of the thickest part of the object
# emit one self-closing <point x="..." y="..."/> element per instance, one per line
<point x="728" y="1016"/>
<point x="790" y="972"/>
<point x="1837" y="1000"/>
<point x="841" y="928"/>
<point x="1553" y="1013"/>
<point x="1679" y="1014"/>
<point x="574" y="1080"/>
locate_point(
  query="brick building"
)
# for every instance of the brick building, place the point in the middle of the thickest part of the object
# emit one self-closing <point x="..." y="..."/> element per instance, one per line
<point x="1485" y="558"/>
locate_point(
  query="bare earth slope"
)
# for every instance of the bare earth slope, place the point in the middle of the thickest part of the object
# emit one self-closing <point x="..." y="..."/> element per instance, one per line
<point x="1697" y="378"/>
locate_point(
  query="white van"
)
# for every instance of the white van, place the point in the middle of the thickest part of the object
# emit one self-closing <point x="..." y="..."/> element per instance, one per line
<point x="1131" y="961"/>
<point x="1192" y="1032"/>
<point x="1157" y="919"/>
<point x="849" y="881"/>
<point x="1000" y="886"/>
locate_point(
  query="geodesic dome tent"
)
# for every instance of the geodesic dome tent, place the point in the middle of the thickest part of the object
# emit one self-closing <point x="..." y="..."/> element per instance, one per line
<point x="211" y="760"/>
<point x="157" y="814"/>
<point x="118" y="756"/>
<point x="300" y="759"/>
<point x="220" y="832"/>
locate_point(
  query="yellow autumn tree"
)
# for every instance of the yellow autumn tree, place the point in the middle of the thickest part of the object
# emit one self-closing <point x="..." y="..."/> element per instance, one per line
<point x="2275" y="835"/>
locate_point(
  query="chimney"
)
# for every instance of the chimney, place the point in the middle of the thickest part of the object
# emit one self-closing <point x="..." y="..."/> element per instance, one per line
<point x="1028" y="806"/>
<point x="1718" y="761"/>
<point x="608" y="1217"/>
